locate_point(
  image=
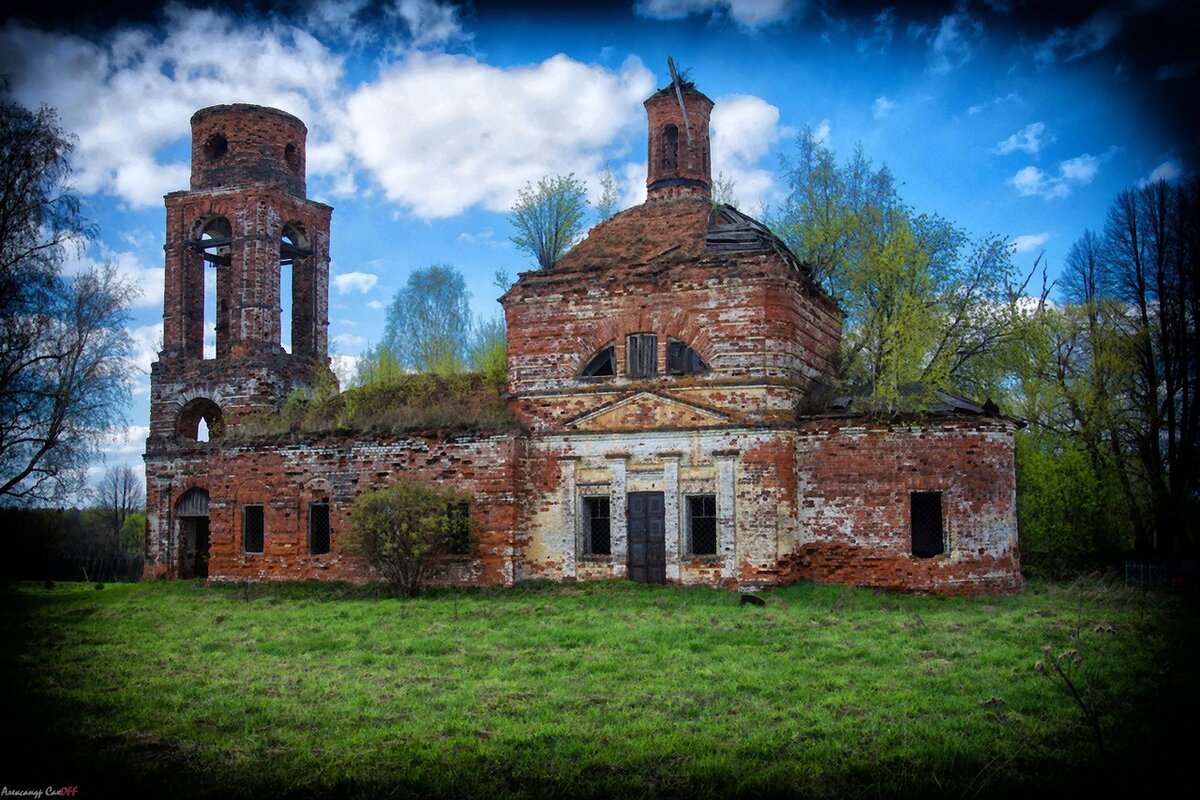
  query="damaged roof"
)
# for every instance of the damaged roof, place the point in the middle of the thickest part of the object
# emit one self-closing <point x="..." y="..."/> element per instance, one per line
<point x="669" y="231"/>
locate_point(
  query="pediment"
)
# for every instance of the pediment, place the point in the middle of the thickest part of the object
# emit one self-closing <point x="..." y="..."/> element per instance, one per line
<point x="647" y="411"/>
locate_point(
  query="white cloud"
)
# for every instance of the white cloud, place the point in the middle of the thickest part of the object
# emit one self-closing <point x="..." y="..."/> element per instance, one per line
<point x="1029" y="241"/>
<point x="376" y="305"/>
<point x="821" y="132"/>
<point x="1072" y="173"/>
<point x="349" y="341"/>
<point x="1026" y="140"/>
<point x="132" y="93"/>
<point x="882" y="107"/>
<point x="147" y="280"/>
<point x="882" y="32"/>
<point x="747" y="13"/>
<point x="1080" y="170"/>
<point x="1166" y="171"/>
<point x="344" y="367"/>
<point x="123" y="444"/>
<point x="484" y="132"/>
<point x="744" y="128"/>
<point x="147" y="341"/>
<point x="361" y="282"/>
<point x="430" y="22"/>
<point x="952" y="44"/>
<point x="1093" y="34"/>
<point x="979" y="108"/>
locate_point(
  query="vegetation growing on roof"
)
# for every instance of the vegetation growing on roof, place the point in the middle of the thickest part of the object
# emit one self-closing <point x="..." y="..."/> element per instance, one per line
<point x="405" y="402"/>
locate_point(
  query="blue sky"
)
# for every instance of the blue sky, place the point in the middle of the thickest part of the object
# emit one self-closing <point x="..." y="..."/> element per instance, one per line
<point x="425" y="118"/>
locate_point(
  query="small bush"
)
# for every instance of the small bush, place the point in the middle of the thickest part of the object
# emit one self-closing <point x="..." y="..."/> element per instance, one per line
<point x="404" y="529"/>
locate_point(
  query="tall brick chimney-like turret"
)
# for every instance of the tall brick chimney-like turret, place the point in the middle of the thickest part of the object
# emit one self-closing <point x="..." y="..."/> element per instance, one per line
<point x="678" y="167"/>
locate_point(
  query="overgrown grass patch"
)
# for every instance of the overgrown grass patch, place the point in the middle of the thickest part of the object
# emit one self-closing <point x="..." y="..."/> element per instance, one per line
<point x="595" y="689"/>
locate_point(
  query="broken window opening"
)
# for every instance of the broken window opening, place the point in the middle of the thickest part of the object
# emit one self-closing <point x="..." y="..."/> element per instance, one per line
<point x="670" y="149"/>
<point x="213" y="240"/>
<point x="318" y="528"/>
<point x="597" y="530"/>
<point x="293" y="249"/>
<point x="683" y="360"/>
<point x="926" y="517"/>
<point x="601" y="365"/>
<point x="458" y="528"/>
<point x="291" y="156"/>
<point x="216" y="146"/>
<point x="641" y="355"/>
<point x="200" y="417"/>
<point x="253" y="529"/>
<point x="702" y="525"/>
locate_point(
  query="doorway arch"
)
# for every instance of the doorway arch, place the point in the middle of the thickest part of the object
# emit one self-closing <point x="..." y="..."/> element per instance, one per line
<point x="191" y="512"/>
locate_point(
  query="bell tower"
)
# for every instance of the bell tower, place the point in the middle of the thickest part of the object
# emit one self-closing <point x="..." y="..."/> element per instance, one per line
<point x="678" y="154"/>
<point x="246" y="225"/>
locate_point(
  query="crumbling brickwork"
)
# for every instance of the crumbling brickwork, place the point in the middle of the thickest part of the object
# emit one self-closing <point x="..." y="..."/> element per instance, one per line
<point x="672" y="373"/>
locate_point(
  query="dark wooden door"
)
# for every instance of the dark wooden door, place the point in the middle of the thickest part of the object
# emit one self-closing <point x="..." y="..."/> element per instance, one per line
<point x="647" y="537"/>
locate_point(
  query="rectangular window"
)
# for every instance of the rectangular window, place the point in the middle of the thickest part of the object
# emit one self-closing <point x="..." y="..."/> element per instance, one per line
<point x="597" y="540"/>
<point x="252" y="529"/>
<point x="318" y="528"/>
<point x="458" y="532"/>
<point x="641" y="355"/>
<point x="927" y="540"/>
<point x="702" y="525"/>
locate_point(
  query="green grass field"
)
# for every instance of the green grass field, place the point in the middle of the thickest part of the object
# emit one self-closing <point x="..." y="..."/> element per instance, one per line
<point x="177" y="689"/>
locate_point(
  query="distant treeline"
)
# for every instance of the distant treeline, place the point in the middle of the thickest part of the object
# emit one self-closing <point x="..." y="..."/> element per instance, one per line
<point x="70" y="545"/>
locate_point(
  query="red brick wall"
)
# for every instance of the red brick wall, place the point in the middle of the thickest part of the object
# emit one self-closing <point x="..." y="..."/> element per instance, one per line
<point x="284" y="479"/>
<point x="752" y="318"/>
<point x="692" y="172"/>
<point x="854" y="481"/>
<point x="263" y="146"/>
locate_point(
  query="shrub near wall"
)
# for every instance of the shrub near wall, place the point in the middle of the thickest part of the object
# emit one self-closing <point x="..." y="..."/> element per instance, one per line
<point x="1068" y="507"/>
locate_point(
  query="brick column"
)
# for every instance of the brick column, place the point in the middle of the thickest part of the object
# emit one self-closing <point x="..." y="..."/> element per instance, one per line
<point x="726" y="530"/>
<point x="570" y="518"/>
<point x="618" y="523"/>
<point x="674" y="544"/>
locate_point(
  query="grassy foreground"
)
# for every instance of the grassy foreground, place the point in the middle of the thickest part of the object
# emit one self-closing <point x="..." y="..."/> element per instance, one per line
<point x="177" y="689"/>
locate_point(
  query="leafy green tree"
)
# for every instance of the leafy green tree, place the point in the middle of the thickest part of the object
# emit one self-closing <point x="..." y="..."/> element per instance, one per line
<point x="610" y="194"/>
<point x="404" y="530"/>
<point x="120" y="493"/>
<point x="64" y="350"/>
<point x="925" y="305"/>
<point x="489" y="353"/>
<point x="549" y="218"/>
<point x="429" y="322"/>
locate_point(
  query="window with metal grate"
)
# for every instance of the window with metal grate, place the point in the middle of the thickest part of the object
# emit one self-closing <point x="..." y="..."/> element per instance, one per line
<point x="702" y="525"/>
<point x="597" y="530"/>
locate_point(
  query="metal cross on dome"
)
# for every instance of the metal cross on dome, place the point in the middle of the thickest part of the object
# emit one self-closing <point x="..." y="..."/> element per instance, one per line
<point x="678" y="83"/>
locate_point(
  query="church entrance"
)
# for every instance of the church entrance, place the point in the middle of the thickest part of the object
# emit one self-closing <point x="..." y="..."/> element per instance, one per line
<point x="192" y="513"/>
<point x="647" y="537"/>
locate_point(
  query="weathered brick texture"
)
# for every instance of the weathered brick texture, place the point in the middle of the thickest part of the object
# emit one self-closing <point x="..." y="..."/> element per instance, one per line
<point x="789" y="493"/>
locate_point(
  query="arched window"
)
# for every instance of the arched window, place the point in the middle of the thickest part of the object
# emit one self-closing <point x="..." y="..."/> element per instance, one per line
<point x="212" y="238"/>
<point x="293" y="252"/>
<point x="602" y="365"/>
<point x="683" y="360"/>
<point x="195" y="412"/>
<point x="670" y="149"/>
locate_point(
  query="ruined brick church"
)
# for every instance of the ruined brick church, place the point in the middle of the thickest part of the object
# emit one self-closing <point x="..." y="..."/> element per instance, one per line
<point x="671" y="375"/>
